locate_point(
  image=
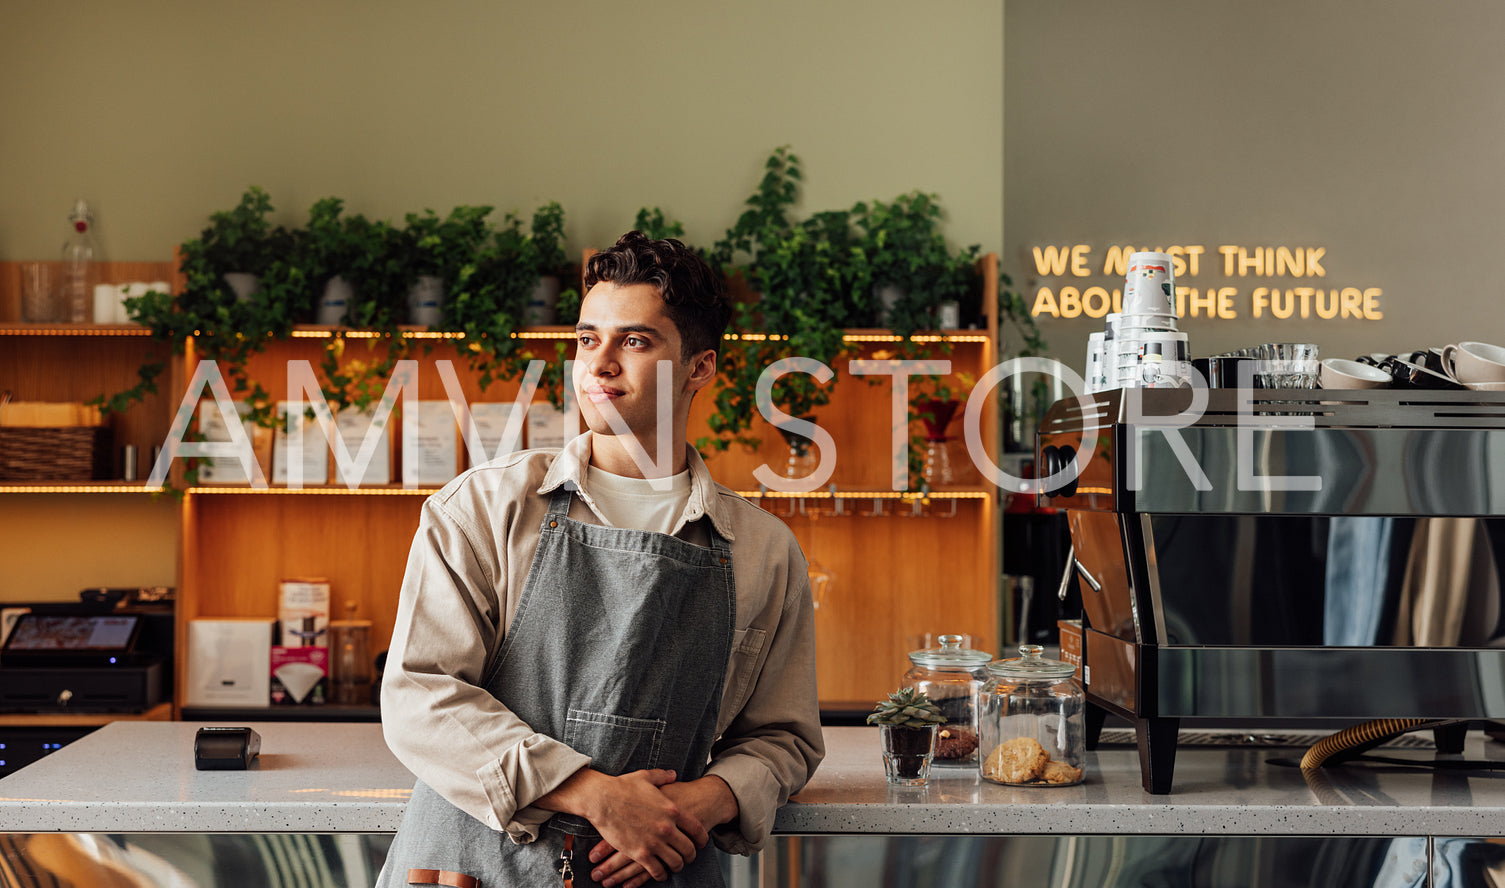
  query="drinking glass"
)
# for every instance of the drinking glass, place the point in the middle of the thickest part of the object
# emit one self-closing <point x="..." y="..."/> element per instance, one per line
<point x="1289" y="365"/>
<point x="39" y="296"/>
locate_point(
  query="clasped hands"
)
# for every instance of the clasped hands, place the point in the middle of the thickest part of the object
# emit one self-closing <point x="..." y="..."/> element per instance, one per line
<point x="650" y="824"/>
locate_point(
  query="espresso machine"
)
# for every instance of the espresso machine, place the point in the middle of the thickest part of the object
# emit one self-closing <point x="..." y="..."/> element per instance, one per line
<point x="1276" y="556"/>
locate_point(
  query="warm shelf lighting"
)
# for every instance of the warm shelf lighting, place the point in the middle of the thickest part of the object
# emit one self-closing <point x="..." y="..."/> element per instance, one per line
<point x="319" y="491"/>
<point x="374" y="334"/>
<point x="78" y="488"/>
<point x="74" y="330"/>
<point x="866" y="494"/>
<point x="929" y="337"/>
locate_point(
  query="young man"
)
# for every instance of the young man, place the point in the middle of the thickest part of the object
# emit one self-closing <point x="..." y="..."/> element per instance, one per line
<point x="600" y="659"/>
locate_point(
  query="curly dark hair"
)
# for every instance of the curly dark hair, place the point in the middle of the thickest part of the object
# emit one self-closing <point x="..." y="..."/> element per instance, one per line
<point x="694" y="295"/>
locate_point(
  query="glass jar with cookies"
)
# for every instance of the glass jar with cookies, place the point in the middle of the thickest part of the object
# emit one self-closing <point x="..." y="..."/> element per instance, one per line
<point x="1030" y="722"/>
<point x="951" y="675"/>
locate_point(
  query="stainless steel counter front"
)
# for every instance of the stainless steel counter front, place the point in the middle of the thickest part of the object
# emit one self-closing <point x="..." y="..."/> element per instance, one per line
<point x="326" y="797"/>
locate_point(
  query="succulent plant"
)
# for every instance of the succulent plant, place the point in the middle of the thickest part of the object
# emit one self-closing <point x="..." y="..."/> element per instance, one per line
<point x="907" y="708"/>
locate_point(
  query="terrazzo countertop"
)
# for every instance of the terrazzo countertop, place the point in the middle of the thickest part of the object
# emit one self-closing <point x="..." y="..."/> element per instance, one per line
<point x="139" y="777"/>
<point x="313" y="777"/>
<point x="1217" y="790"/>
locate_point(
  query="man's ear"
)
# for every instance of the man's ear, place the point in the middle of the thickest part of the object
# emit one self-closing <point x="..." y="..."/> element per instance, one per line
<point x="702" y="370"/>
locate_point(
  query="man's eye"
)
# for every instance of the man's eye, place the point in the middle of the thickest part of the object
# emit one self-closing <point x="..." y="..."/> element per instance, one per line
<point x="636" y="341"/>
<point x="583" y="339"/>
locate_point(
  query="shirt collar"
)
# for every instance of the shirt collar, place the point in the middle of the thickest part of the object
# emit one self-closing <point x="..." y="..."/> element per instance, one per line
<point x="569" y="467"/>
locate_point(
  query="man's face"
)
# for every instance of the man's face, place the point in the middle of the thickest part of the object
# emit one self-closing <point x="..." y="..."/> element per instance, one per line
<point x="623" y="333"/>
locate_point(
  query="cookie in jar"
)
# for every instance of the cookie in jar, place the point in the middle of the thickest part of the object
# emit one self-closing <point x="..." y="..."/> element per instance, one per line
<point x="1030" y="715"/>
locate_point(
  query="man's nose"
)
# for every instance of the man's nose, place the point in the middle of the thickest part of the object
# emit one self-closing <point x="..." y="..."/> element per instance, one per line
<point x="603" y="361"/>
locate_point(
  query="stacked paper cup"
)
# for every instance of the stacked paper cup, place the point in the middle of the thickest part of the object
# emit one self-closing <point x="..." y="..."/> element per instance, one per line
<point x="1141" y="347"/>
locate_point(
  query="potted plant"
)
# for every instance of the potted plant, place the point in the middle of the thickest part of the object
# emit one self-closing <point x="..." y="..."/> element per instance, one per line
<point x="655" y="225"/>
<point x="241" y="245"/>
<point x="342" y="258"/>
<point x="438" y="250"/>
<point x="907" y="721"/>
<point x="811" y="281"/>
<point x="228" y="324"/>
<point x="490" y="299"/>
<point x="546" y="252"/>
<point x="915" y="275"/>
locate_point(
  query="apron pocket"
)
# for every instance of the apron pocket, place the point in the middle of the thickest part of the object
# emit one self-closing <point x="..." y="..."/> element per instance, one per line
<point x="616" y="744"/>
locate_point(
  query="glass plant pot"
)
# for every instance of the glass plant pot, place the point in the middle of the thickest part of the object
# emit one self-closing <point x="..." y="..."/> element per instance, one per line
<point x="907" y="753"/>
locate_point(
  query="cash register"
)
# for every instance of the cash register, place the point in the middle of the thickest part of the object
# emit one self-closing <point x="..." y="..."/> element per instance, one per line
<point x="108" y="653"/>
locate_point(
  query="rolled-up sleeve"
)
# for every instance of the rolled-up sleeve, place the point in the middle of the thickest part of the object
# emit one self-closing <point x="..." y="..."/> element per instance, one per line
<point x="774" y="743"/>
<point x="437" y="718"/>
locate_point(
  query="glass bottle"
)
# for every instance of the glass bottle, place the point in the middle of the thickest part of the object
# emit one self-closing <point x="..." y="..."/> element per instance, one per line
<point x="76" y="292"/>
<point x="1031" y="722"/>
<point x="951" y="676"/>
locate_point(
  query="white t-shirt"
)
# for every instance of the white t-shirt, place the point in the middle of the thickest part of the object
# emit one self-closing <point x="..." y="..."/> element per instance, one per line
<point x="634" y="503"/>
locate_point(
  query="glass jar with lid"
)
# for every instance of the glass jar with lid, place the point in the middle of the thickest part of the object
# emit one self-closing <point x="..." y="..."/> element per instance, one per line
<point x="951" y="676"/>
<point x="1030" y="721"/>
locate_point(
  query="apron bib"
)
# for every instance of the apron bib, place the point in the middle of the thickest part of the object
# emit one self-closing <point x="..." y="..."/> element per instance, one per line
<point x="618" y="649"/>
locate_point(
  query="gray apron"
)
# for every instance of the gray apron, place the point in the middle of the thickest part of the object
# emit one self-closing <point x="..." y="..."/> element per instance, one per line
<point x="618" y="649"/>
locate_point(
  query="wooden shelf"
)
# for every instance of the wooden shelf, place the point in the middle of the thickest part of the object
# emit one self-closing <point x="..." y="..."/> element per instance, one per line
<point x="313" y="490"/>
<point x="77" y="487"/>
<point x="398" y="490"/>
<point x="14" y="329"/>
<point x="160" y="712"/>
<point x="960" y="493"/>
<point x="893" y="576"/>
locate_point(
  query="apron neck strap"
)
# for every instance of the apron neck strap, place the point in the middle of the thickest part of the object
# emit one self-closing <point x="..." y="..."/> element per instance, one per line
<point x="564" y="494"/>
<point x="559" y="500"/>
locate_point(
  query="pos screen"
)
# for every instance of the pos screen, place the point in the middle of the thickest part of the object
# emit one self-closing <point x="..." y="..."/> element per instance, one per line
<point x="104" y="633"/>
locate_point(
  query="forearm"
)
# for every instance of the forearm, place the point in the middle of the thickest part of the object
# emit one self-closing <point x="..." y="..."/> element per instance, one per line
<point x="709" y="799"/>
<point x="579" y="794"/>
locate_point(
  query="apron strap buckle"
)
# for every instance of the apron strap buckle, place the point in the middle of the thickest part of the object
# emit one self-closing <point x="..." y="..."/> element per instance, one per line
<point x="562" y="865"/>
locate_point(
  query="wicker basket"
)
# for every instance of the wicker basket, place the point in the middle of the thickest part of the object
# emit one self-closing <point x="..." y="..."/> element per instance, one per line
<point x="72" y="453"/>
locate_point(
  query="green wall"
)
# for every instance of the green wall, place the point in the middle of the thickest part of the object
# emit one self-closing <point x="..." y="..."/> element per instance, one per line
<point x="1369" y="130"/>
<point x="160" y="112"/>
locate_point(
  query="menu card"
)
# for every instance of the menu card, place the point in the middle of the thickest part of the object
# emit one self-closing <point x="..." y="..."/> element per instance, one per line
<point x="550" y="427"/>
<point x="293" y="432"/>
<point x="430" y="443"/>
<point x="354" y="426"/>
<point x="228" y="469"/>
<point x="492" y="421"/>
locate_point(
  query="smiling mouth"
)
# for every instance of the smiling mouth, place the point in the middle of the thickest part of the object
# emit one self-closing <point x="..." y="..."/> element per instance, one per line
<point x="598" y="394"/>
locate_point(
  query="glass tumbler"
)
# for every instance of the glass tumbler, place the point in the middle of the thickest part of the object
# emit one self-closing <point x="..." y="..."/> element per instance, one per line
<point x="39" y="293"/>
<point x="1290" y="365"/>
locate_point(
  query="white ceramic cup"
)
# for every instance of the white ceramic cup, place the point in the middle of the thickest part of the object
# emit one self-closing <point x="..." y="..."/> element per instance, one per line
<point x="1338" y="373"/>
<point x="1470" y="362"/>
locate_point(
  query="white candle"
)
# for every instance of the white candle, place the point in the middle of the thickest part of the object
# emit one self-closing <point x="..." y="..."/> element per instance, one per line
<point x="106" y="297"/>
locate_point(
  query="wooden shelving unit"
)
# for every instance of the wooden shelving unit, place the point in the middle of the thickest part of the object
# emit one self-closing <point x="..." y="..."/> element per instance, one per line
<point x="894" y="578"/>
<point x="160" y="712"/>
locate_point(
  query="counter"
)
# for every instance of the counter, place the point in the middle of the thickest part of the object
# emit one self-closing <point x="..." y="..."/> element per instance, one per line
<point x="333" y="778"/>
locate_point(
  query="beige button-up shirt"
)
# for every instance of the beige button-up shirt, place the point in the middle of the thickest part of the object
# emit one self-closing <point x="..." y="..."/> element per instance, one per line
<point x="465" y="574"/>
